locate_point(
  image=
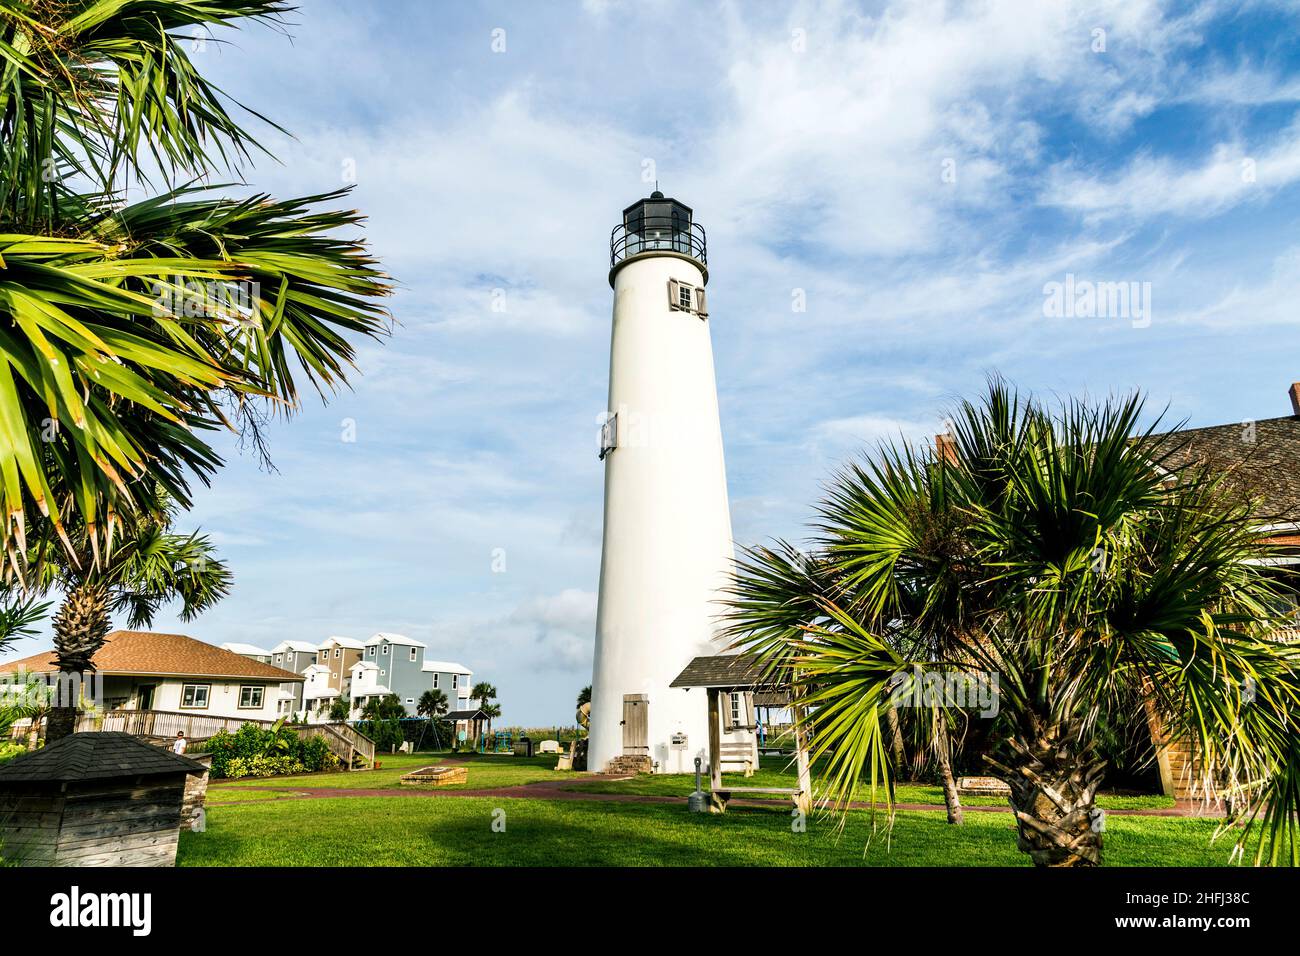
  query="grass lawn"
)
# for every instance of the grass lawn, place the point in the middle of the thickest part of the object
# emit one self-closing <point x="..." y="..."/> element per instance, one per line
<point x="485" y="771"/>
<point x="436" y="831"/>
<point x="776" y="772"/>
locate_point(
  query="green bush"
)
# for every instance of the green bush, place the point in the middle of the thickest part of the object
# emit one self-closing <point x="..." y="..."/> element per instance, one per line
<point x="263" y="765"/>
<point x="254" y="751"/>
<point x="8" y="751"/>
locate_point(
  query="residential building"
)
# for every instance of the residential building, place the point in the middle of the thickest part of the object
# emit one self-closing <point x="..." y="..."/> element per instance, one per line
<point x="1260" y="461"/>
<point x="251" y="651"/>
<point x="144" y="670"/>
<point x="394" y="664"/>
<point x="452" y="679"/>
<point x="330" y="678"/>
<point x="295" y="657"/>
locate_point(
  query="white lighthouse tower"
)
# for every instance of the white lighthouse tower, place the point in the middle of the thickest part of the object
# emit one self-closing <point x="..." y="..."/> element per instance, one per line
<point x="667" y="549"/>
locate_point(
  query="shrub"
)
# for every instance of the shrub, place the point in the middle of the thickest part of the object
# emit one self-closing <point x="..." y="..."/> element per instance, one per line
<point x="8" y="751"/>
<point x="253" y="751"/>
<point x="263" y="765"/>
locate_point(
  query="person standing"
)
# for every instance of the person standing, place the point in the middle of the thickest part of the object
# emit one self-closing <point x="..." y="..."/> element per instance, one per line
<point x="178" y="747"/>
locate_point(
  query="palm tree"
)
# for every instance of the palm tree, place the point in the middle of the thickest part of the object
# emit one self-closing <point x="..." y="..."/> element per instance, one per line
<point x="1059" y="556"/>
<point x="388" y="707"/>
<point x="135" y="329"/>
<point x="483" y="692"/>
<point x="340" y="709"/>
<point x="146" y="567"/>
<point x="432" y="704"/>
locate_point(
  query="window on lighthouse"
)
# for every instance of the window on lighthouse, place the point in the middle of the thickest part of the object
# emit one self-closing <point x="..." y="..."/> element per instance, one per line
<point x="684" y="296"/>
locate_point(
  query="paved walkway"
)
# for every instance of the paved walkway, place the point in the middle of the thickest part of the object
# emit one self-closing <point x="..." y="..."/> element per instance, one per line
<point x="560" y="790"/>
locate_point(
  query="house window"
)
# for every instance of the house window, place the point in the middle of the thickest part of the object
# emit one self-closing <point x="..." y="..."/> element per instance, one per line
<point x="370" y="651"/>
<point x="195" y="696"/>
<point x="250" y="696"/>
<point x="455" y="679"/>
<point x="435" y="681"/>
<point x="279" y="658"/>
<point x="737" y="711"/>
<point x="410" y="700"/>
<point x="413" y="655"/>
<point x="684" y="297"/>
<point x="385" y="649"/>
<point x="324" y="656"/>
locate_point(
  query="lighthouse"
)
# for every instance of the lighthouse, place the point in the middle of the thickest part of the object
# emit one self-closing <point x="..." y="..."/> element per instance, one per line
<point x="667" y="548"/>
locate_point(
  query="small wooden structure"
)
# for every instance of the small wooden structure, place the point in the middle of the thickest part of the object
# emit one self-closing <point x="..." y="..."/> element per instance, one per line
<point x="94" y="799"/>
<point x="731" y="673"/>
<point x="435" y="777"/>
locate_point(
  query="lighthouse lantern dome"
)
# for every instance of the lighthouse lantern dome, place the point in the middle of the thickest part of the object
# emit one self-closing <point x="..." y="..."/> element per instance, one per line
<point x="657" y="224"/>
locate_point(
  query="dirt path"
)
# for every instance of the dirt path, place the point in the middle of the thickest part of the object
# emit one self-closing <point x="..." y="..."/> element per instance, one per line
<point x="558" y="790"/>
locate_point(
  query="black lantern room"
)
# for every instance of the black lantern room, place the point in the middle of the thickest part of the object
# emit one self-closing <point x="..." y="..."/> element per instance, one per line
<point x="657" y="224"/>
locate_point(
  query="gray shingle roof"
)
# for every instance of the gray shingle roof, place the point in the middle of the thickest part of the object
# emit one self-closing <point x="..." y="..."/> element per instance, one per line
<point x="465" y="715"/>
<point x="1261" y="460"/>
<point x="721" y="670"/>
<point x="95" y="755"/>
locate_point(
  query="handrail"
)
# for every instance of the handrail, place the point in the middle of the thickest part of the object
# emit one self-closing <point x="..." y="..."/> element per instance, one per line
<point x="657" y="234"/>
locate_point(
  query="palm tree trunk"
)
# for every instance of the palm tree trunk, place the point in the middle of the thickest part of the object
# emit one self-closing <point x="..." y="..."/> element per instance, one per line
<point x="943" y="756"/>
<point x="896" y="738"/>
<point x="1054" y="781"/>
<point x="80" y="627"/>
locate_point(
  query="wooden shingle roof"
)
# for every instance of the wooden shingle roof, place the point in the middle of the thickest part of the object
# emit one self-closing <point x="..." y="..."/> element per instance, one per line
<point x="721" y="670"/>
<point x="465" y="715"/>
<point x="1260" y="460"/>
<point x="95" y="755"/>
<point x="154" y="654"/>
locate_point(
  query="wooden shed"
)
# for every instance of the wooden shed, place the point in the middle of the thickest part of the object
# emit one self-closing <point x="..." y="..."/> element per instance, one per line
<point x="94" y="799"/>
<point x="722" y="674"/>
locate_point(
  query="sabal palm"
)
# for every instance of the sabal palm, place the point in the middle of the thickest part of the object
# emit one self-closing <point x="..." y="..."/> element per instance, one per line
<point x="485" y="693"/>
<point x="135" y="330"/>
<point x="145" y="566"/>
<point x="432" y="703"/>
<point x="1061" y="552"/>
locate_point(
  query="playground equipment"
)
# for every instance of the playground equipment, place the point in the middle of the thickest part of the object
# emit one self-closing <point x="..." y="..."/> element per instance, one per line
<point x="500" y="742"/>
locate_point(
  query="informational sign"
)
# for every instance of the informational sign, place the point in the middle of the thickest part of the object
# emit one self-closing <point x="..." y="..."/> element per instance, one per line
<point x="678" y="741"/>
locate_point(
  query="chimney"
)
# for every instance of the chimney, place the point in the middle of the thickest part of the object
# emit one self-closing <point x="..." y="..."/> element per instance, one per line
<point x="1295" y="398"/>
<point x="946" y="447"/>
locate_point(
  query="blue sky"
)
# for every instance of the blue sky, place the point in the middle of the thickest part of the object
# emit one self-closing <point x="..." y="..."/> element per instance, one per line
<point x="917" y="172"/>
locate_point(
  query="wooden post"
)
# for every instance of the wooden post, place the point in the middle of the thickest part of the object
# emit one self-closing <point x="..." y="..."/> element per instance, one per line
<point x="715" y="750"/>
<point x="800" y="713"/>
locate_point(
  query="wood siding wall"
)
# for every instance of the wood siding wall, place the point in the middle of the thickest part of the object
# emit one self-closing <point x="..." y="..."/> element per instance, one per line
<point x="123" y="822"/>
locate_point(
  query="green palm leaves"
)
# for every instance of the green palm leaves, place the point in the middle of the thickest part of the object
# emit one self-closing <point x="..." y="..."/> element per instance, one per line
<point x="129" y="332"/>
<point x="1057" y="552"/>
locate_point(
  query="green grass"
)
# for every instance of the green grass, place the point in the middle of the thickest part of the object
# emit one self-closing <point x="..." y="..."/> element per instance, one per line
<point x="776" y="772"/>
<point x="434" y="831"/>
<point x="485" y="771"/>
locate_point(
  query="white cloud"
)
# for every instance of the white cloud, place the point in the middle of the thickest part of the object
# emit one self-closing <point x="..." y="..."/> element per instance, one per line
<point x="1151" y="186"/>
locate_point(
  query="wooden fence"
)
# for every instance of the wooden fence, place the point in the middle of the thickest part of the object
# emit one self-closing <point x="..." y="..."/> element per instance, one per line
<point x="344" y="741"/>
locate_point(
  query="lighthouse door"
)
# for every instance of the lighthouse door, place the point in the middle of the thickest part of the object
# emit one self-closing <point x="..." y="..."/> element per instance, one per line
<point x="635" y="733"/>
